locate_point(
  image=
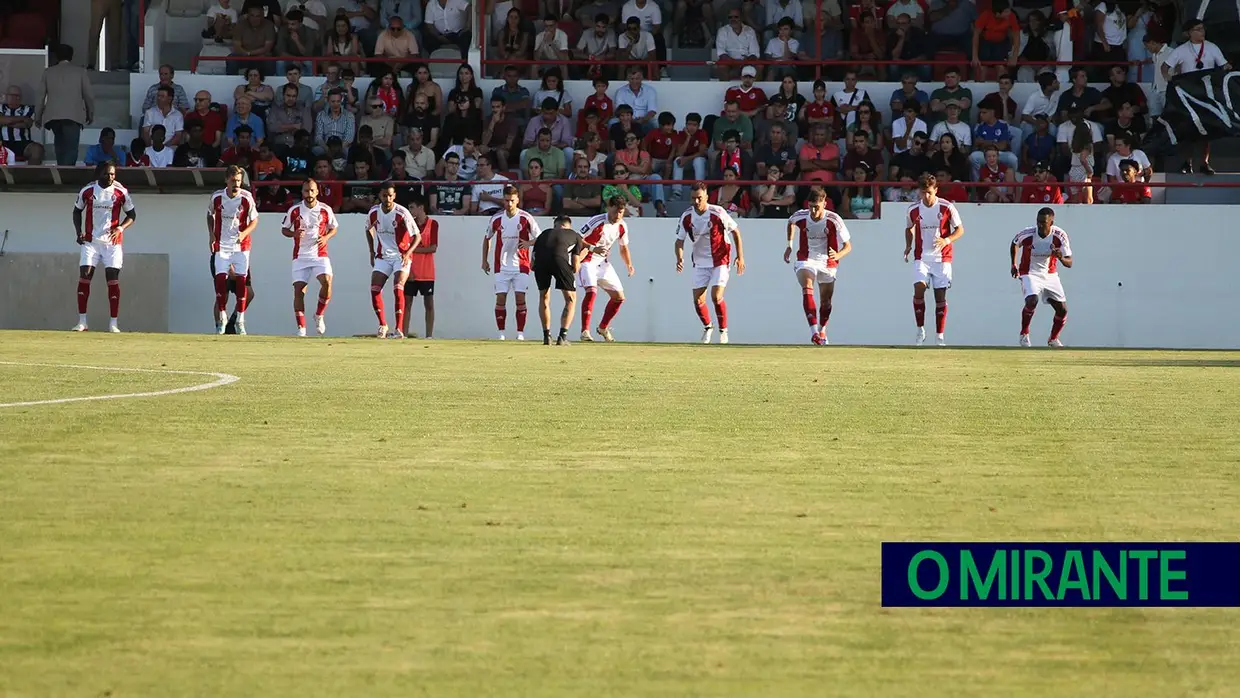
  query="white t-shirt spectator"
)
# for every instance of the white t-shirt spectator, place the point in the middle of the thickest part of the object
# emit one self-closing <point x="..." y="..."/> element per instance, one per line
<point x="562" y="99"/>
<point x="1185" y="56"/>
<point x="644" y="46"/>
<point x="734" y="45"/>
<point x="172" y="122"/>
<point x="560" y="41"/>
<point x="1067" y="129"/>
<point x="216" y="11"/>
<point x="449" y="19"/>
<point x="469" y="163"/>
<point x="649" y="15"/>
<point x="794" y="11"/>
<point x="160" y="158"/>
<point x="962" y="131"/>
<point x="592" y="45"/>
<point x="912" y="8"/>
<point x="1039" y="103"/>
<point x="775" y="48"/>
<point x="496" y="190"/>
<point x="1137" y="154"/>
<point x="899" y="128"/>
<point x="1116" y="26"/>
<point x="856" y="97"/>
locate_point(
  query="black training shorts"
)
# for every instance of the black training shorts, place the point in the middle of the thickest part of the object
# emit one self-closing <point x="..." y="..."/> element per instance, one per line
<point x="425" y="288"/>
<point x="565" y="278"/>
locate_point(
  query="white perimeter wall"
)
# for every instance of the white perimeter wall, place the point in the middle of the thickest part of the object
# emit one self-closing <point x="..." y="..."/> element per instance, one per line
<point x="1145" y="276"/>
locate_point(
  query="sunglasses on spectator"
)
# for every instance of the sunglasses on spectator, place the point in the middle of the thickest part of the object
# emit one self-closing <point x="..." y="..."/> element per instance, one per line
<point x="377" y="105"/>
<point x="620" y="172"/>
<point x="630" y="139"/>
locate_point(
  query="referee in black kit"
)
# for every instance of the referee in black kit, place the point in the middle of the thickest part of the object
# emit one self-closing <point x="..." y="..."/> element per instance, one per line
<point x="557" y="254"/>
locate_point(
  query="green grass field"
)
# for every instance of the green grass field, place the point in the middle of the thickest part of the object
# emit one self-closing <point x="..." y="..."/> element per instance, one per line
<point x="364" y="518"/>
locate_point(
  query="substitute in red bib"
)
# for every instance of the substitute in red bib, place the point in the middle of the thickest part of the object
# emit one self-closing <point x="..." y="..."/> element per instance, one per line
<point x="516" y="230"/>
<point x="600" y="234"/>
<point x="392" y="235"/>
<point x="707" y="227"/>
<point x="100" y="231"/>
<point x="932" y="225"/>
<point x="1037" y="253"/>
<point x="231" y="218"/>
<point x="422" y="267"/>
<point x="819" y="239"/>
<point x="311" y="223"/>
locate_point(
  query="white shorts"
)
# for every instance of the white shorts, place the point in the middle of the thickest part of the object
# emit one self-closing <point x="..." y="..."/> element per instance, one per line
<point x="823" y="274"/>
<point x="390" y="266"/>
<point x="308" y="269"/>
<point x="511" y="282"/>
<point x="1047" y="287"/>
<point x="932" y="274"/>
<point x="599" y="272"/>
<point x="704" y="277"/>
<point x="239" y="262"/>
<point x="95" y="253"/>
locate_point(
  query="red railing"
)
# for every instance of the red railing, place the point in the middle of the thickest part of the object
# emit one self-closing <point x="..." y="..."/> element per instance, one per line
<point x="316" y="60"/>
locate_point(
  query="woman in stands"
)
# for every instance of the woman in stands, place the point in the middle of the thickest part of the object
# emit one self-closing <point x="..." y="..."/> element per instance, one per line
<point x="260" y="95"/>
<point x="423" y="85"/>
<point x="949" y="159"/>
<point x="1037" y="48"/>
<point x="1082" y="168"/>
<point x="631" y="192"/>
<point x="535" y="196"/>
<point x="593" y="153"/>
<point x="796" y="103"/>
<point x="731" y="196"/>
<point x="857" y="202"/>
<point x="870" y="121"/>
<point x="515" y="43"/>
<point x="553" y="87"/>
<point x="387" y="90"/>
<point x="466" y="85"/>
<point x="342" y="44"/>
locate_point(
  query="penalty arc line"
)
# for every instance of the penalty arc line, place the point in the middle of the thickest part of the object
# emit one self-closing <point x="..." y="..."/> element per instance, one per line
<point x="221" y="379"/>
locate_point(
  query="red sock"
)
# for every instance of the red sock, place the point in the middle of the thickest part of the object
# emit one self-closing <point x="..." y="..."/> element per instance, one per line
<point x="824" y="315"/>
<point x="114" y="297"/>
<point x="1026" y="317"/>
<point x="301" y="318"/>
<point x="83" y="295"/>
<point x="240" y="290"/>
<point x="521" y="311"/>
<point x="809" y="306"/>
<point x="398" y="293"/>
<point x="501" y="317"/>
<point x="609" y="313"/>
<point x="703" y="313"/>
<point x="221" y="292"/>
<point x="721" y="313"/>
<point x="919" y="311"/>
<point x="376" y="302"/>
<point x="587" y="308"/>
<point x="322" y="306"/>
<point x="1057" y="325"/>
<point x="940" y="316"/>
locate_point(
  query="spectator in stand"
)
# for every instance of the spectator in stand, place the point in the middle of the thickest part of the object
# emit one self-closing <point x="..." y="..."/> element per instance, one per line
<point x="642" y="98"/>
<point x="516" y="43"/>
<point x="553" y="88"/>
<point x="905" y="193"/>
<point x="996" y="37"/>
<point x="951" y="27"/>
<point x="137" y="154"/>
<point x="993" y="170"/>
<point x="243" y="116"/>
<point x="300" y="158"/>
<point x="917" y="11"/>
<point x="386" y="90"/>
<point x="380" y="123"/>
<point x="1037" y="49"/>
<point x="602" y="105"/>
<point x="951" y="91"/>
<point x="1079" y="97"/>
<point x="406" y="191"/>
<point x="867" y="44"/>
<point x="635" y="46"/>
<point x="949" y="158"/>
<point x="953" y="125"/>
<point x="736" y="43"/>
<point x="335" y="151"/>
<point x="1159" y="52"/>
<point x="904" y="128"/>
<point x="179" y="101"/>
<point x="195" y="152"/>
<point x="772" y="117"/>
<point x="241" y="146"/>
<point x="950" y="189"/>
<point x="582" y="197"/>
<point x="847" y="99"/>
<point x="1042" y="101"/>
<point x="692" y="144"/>
<point x="305" y="94"/>
<point x="631" y="193"/>
<point x="331" y="191"/>
<point x="1048" y="193"/>
<point x="785" y="49"/>
<point x="552" y="162"/>
<point x="794" y="104"/>
<point x="779" y="152"/>
<point x="819" y="158"/>
<point x="419" y="159"/>
<point x="733" y="197"/>
<point x="597" y="44"/>
<point x="1127" y="125"/>
<point x="420" y="119"/>
<point x="1120" y="91"/>
<point x="488" y="198"/>
<point x="1006" y="109"/>
<point x="296" y="38"/>
<point x="857" y="201"/>
<point x="424" y="85"/>
<point x="67" y="104"/>
<point x="750" y="99"/>
<point x="463" y="122"/>
<point x="593" y="154"/>
<point x="466" y="85"/>
<point x="499" y="135"/>
<point x="991" y="133"/>
<point x="561" y="130"/>
<point x="468" y="154"/>
<point x="266" y="164"/>
<point x="1130" y="190"/>
<point x="253" y="36"/>
<point x="343" y="44"/>
<point x="162" y="114"/>
<point x="286" y="120"/>
<point x="650" y="18"/>
<point x="260" y="94"/>
<point x="314" y="15"/>
<point x="270" y="8"/>
<point x="551" y="44"/>
<point x="1068" y="129"/>
<point x="332" y="81"/>
<point x="661" y="143"/>
<point x="450" y="196"/>
<point x="515" y="97"/>
<point x="410" y="13"/>
<point x="861" y="153"/>
<point x="1195" y="54"/>
<point x="359" y="198"/>
<point x="535" y="196"/>
<point x="1039" y="146"/>
<point x="221" y="18"/>
<point x="641" y="166"/>
<point x="398" y="44"/>
<point x="913" y="161"/>
<point x="1110" y="37"/>
<point x="858" y="11"/>
<point x="730" y="156"/>
<point x="779" y="10"/>
<point x="733" y="121"/>
<point x="335" y="121"/>
<point x="274" y="199"/>
<point x="688" y="19"/>
<point x="907" y="42"/>
<point x="870" y="122"/>
<point x="447" y="24"/>
<point x="776" y="198"/>
<point x="365" y="148"/>
<point x="1125" y="149"/>
<point x="1080" y="160"/>
<point x="820" y="110"/>
<point x="106" y="150"/>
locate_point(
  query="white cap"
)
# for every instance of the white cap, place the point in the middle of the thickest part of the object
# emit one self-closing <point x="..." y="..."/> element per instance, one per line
<point x="749" y="71"/>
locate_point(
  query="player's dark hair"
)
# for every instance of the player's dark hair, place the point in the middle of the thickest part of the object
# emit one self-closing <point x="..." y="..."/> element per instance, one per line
<point x="510" y="190"/>
<point x="1046" y="211"/>
<point x="927" y="180"/>
<point x="617" y="201"/>
<point x="231" y="172"/>
<point x="698" y="186"/>
<point x="816" y="195"/>
<point x="389" y="184"/>
<point x="103" y="166"/>
<point x="564" y="220"/>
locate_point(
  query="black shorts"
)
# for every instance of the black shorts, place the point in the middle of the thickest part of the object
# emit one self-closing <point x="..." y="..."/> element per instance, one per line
<point x="425" y="288"/>
<point x="232" y="284"/>
<point x="565" y="279"/>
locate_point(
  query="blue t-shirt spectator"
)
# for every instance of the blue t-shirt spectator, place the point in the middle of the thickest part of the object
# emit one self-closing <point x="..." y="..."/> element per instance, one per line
<point x="516" y="95"/>
<point x="899" y="98"/>
<point x="996" y="132"/>
<point x="251" y="120"/>
<point x="95" y="155"/>
<point x="1040" y="147"/>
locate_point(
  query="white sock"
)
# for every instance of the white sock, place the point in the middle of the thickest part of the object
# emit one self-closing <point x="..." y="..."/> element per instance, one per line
<point x="82" y="318"/>
<point x="815" y="330"/>
<point x="241" y="317"/>
<point x="940" y="335"/>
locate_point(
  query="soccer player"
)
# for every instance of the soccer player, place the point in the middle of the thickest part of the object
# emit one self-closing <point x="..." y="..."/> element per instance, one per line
<point x="393" y="236"/>
<point x="99" y="234"/>
<point x="232" y="217"/>
<point x="516" y="230"/>
<point x="422" y="269"/>
<point x="1037" y="253"/>
<point x="557" y="255"/>
<point x="822" y="241"/>
<point x="707" y="226"/>
<point x="311" y="223"/>
<point x="931" y="227"/>
<point x="600" y="233"/>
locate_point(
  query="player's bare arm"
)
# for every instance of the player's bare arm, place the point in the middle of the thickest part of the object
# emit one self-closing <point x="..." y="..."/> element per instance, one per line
<point x="288" y="232"/>
<point x="210" y="231"/>
<point x="680" y="256"/>
<point x="837" y="255"/>
<point x="1066" y="261"/>
<point x="740" y="253"/>
<point x="940" y="243"/>
<point x="245" y="232"/>
<point x="628" y="260"/>
<point x="1015" y="269"/>
<point x="331" y="233"/>
<point x="370" y="243"/>
<point x="77" y="225"/>
<point x="486" y="253"/>
<point x="788" y="250"/>
<point x="130" y="218"/>
<point x="908" y="242"/>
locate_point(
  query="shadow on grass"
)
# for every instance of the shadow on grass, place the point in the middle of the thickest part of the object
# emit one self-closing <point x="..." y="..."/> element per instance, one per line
<point x="1164" y="363"/>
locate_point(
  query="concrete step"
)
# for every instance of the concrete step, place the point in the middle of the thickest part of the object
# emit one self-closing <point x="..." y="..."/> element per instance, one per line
<point x="1214" y="195"/>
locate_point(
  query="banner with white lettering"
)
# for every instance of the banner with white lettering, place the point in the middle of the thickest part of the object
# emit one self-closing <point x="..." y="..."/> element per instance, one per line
<point x="1200" y="106"/>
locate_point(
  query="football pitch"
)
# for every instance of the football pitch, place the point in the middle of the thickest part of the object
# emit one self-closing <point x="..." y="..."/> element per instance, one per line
<point x="366" y="518"/>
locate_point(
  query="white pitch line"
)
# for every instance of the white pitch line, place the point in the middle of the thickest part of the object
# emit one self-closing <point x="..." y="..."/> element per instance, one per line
<point x="221" y="379"/>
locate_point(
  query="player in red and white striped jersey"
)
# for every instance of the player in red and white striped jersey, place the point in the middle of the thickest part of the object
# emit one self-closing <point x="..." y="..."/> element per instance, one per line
<point x="932" y="225"/>
<point x="393" y="235"/>
<point x="707" y="227"/>
<point x="100" y="233"/>
<point x="601" y="233"/>
<point x="232" y="216"/>
<point x="311" y="223"/>
<point x="1037" y="253"/>
<point x="820" y="240"/>
<point x="516" y="230"/>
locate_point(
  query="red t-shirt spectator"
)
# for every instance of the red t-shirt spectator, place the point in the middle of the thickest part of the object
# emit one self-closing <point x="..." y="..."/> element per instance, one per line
<point x="814" y="110"/>
<point x="1136" y="193"/>
<point x="332" y="194"/>
<point x="605" y="106"/>
<point x="213" y="123"/>
<point x="854" y="13"/>
<point x="698" y="146"/>
<point x="995" y="28"/>
<point x="1048" y="193"/>
<point x="660" y="144"/>
<point x="751" y="99"/>
<point x="953" y="191"/>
